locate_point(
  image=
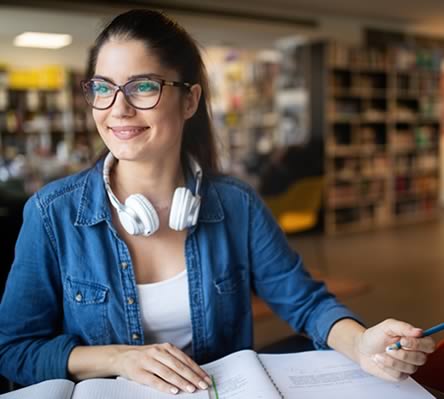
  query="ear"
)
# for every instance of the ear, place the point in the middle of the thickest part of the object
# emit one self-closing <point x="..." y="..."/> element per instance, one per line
<point x="192" y="100"/>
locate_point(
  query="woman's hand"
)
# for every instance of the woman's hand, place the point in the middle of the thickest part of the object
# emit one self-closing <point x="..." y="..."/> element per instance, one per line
<point x="161" y="366"/>
<point x="392" y="365"/>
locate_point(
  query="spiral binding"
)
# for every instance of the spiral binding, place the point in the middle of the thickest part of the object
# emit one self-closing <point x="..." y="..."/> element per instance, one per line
<point x="269" y="377"/>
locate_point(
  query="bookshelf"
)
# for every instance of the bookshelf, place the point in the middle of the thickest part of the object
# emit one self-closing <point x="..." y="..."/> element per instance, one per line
<point x="381" y="130"/>
<point x="45" y="130"/>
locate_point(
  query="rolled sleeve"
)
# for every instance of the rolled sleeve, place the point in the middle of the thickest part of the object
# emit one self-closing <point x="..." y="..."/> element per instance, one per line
<point x="323" y="318"/>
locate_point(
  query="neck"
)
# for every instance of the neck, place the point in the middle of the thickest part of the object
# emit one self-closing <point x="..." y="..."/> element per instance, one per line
<point x="156" y="180"/>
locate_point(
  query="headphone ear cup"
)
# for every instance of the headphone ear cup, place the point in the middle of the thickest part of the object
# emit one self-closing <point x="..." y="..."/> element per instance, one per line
<point x="128" y="221"/>
<point x="144" y="213"/>
<point x="180" y="209"/>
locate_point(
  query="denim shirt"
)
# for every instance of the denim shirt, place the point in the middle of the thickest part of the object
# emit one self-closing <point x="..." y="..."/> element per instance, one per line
<point x="72" y="281"/>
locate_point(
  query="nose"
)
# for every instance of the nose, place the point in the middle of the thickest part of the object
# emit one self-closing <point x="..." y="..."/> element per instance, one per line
<point x="121" y="108"/>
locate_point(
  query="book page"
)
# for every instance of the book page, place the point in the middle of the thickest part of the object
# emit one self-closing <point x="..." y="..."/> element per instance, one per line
<point x="322" y="374"/>
<point x="122" y="388"/>
<point x="241" y="376"/>
<point x="51" y="389"/>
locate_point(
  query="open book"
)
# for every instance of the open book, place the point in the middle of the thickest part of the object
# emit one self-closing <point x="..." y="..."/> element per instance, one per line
<point x="248" y="375"/>
<point x="96" y="388"/>
<point x="305" y="375"/>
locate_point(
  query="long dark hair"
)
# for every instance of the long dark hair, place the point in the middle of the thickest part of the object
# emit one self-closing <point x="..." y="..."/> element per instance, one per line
<point x="177" y="50"/>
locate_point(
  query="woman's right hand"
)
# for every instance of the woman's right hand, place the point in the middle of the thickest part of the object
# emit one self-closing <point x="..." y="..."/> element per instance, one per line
<point x="161" y="366"/>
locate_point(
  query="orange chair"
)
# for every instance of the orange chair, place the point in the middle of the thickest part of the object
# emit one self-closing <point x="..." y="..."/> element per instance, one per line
<point x="297" y="209"/>
<point x="431" y="374"/>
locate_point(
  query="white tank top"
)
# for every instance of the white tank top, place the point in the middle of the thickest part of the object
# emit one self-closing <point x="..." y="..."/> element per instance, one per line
<point x="165" y="310"/>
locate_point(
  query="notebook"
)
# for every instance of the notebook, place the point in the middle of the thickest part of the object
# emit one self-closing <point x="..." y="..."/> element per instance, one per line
<point x="248" y="375"/>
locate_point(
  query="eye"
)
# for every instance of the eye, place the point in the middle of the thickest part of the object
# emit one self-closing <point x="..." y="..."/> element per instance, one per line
<point x="101" y="88"/>
<point x="146" y="86"/>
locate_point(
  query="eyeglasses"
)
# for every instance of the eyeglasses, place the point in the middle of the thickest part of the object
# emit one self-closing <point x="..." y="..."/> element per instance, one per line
<point x="141" y="93"/>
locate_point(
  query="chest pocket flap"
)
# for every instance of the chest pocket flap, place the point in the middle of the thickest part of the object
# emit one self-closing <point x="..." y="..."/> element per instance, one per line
<point x="85" y="292"/>
<point x="231" y="282"/>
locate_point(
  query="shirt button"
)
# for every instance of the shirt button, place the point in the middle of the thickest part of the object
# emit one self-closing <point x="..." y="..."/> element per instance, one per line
<point x="130" y="301"/>
<point x="135" y="336"/>
<point x="79" y="297"/>
<point x="124" y="265"/>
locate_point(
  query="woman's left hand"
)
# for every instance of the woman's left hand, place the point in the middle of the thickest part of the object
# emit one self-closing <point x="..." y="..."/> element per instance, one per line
<point x="394" y="365"/>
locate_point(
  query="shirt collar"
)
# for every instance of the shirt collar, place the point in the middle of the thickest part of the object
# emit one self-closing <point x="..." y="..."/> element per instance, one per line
<point x="94" y="206"/>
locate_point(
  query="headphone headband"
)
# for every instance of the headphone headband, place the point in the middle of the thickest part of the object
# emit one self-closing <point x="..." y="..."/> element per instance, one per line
<point x="110" y="160"/>
<point x="137" y="214"/>
<point x="107" y="164"/>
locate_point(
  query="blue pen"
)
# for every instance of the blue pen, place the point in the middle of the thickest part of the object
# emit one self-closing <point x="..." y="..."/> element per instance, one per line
<point x="426" y="333"/>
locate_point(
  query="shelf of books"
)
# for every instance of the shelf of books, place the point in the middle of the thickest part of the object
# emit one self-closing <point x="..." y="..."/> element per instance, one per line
<point x="382" y="125"/>
<point x="45" y="127"/>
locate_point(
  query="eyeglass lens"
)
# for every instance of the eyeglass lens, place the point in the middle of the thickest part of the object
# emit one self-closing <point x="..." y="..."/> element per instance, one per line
<point x="140" y="93"/>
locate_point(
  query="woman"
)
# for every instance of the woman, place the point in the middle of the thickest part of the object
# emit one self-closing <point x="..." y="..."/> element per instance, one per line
<point x="106" y="282"/>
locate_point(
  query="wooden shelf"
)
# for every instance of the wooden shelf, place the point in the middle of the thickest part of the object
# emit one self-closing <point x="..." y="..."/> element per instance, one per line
<point x="414" y="196"/>
<point x="343" y="150"/>
<point x="417" y="173"/>
<point x="357" y="92"/>
<point x="411" y="149"/>
<point x="337" y="118"/>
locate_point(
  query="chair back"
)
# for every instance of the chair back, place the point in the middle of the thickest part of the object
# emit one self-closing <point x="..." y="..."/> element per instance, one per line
<point x="303" y="200"/>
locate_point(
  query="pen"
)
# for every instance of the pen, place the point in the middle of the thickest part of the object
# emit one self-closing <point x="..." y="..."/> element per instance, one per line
<point x="214" y="387"/>
<point x="426" y="333"/>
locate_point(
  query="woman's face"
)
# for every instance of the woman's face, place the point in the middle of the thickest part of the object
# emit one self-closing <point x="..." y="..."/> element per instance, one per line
<point x="130" y="133"/>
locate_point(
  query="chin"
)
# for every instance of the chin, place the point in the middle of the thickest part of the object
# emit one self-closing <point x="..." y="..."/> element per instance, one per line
<point x="126" y="154"/>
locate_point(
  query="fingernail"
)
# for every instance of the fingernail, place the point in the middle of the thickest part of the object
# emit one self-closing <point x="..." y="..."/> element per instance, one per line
<point x="203" y="385"/>
<point x="208" y="381"/>
<point x="190" y="388"/>
<point x="174" y="391"/>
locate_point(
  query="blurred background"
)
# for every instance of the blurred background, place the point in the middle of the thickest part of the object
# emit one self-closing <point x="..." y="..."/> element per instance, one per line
<point x="331" y="110"/>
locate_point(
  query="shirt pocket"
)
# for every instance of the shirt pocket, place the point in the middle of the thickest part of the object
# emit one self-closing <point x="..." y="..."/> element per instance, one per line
<point x="233" y="297"/>
<point x="88" y="305"/>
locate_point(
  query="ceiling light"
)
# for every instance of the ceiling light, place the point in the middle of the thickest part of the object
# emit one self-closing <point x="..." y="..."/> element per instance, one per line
<point x="42" y="40"/>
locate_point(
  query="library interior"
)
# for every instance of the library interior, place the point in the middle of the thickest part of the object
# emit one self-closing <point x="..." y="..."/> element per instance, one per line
<point x="331" y="111"/>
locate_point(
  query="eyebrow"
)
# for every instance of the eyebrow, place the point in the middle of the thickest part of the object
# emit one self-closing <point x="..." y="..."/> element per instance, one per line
<point x="144" y="75"/>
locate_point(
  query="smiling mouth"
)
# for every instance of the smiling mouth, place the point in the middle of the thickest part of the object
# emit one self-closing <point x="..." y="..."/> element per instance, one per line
<point x="127" y="132"/>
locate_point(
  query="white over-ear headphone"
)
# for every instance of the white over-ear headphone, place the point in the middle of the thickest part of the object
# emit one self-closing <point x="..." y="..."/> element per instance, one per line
<point x="137" y="214"/>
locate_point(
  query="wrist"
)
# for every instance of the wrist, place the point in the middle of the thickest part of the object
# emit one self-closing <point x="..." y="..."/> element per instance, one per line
<point x="115" y="359"/>
<point x="346" y="337"/>
<point x="357" y="346"/>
